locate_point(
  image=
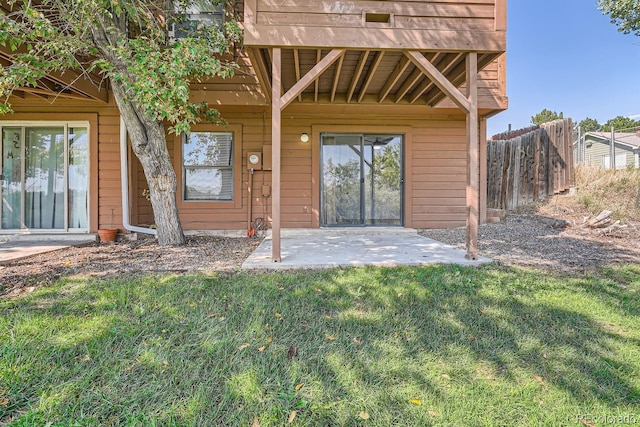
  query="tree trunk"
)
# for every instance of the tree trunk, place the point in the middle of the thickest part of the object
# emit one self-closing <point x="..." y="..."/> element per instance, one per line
<point x="148" y="140"/>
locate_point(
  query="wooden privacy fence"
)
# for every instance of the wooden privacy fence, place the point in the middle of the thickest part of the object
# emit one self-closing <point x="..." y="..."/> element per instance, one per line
<point x="530" y="166"/>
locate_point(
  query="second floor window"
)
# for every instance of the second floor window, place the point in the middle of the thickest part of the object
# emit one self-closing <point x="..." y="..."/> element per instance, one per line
<point x="194" y="16"/>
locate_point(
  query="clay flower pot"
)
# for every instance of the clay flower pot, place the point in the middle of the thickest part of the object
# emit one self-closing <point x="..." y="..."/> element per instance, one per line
<point x="108" y="235"/>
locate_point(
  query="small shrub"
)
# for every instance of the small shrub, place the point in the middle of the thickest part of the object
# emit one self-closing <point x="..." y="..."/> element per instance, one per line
<point x="588" y="203"/>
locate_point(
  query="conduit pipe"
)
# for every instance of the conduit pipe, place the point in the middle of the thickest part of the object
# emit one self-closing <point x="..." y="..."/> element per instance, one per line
<point x="124" y="179"/>
<point x="250" y="230"/>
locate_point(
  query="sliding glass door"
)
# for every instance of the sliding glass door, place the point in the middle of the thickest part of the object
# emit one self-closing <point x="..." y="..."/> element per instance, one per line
<point x="361" y="179"/>
<point x="45" y="177"/>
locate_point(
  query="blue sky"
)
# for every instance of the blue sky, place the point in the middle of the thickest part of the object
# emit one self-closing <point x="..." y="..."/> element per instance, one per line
<point x="564" y="55"/>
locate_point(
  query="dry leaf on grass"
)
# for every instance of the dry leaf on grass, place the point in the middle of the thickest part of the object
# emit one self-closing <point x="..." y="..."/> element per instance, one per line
<point x="416" y="401"/>
<point x="261" y="349"/>
<point x="256" y="422"/>
<point x="292" y="416"/>
<point x="292" y="352"/>
<point x="364" y="415"/>
<point x="243" y="346"/>
<point x="299" y="386"/>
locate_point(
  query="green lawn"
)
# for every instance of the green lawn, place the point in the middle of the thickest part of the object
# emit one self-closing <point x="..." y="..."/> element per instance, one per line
<point x="440" y="345"/>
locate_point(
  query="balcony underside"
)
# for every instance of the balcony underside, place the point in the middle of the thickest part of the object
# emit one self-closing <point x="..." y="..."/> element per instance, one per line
<point x="375" y="76"/>
<point x="58" y="85"/>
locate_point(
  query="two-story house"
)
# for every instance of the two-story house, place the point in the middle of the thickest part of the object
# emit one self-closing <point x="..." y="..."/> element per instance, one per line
<point x="344" y="113"/>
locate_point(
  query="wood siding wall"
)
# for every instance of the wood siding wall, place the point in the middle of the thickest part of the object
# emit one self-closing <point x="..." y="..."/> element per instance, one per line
<point x="455" y="24"/>
<point x="595" y="155"/>
<point x="423" y="15"/>
<point x="435" y="172"/>
<point x="435" y="168"/>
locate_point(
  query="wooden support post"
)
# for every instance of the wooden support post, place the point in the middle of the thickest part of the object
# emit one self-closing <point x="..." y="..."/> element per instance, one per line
<point x="276" y="136"/>
<point x="483" y="171"/>
<point x="473" y="175"/>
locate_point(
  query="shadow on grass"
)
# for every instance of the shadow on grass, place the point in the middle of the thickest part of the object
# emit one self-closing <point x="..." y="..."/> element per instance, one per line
<point x="406" y="346"/>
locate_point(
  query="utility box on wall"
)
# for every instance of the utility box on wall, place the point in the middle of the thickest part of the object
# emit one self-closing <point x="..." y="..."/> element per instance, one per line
<point x="254" y="160"/>
<point x="266" y="157"/>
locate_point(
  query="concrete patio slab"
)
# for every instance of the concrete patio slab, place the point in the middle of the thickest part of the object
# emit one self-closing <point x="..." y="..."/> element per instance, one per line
<point x="351" y="247"/>
<point x="14" y="248"/>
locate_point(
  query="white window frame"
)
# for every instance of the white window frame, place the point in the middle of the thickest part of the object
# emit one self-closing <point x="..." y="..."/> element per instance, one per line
<point x="230" y="167"/>
<point x="24" y="124"/>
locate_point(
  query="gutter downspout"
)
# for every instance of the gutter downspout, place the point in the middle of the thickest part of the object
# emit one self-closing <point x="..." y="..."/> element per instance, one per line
<point x="124" y="179"/>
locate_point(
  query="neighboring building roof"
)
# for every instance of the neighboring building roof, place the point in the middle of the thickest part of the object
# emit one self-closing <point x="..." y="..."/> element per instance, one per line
<point x="630" y="139"/>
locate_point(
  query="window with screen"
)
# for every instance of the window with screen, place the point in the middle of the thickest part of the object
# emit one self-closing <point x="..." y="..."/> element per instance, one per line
<point x="207" y="166"/>
<point x="196" y="16"/>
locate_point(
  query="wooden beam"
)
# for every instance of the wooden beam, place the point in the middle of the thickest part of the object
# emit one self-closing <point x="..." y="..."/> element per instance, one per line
<point x="441" y="81"/>
<point x="276" y="144"/>
<point x="50" y="93"/>
<point x="296" y="64"/>
<point x="457" y="74"/>
<point x="457" y="77"/>
<point x="393" y="79"/>
<point x="311" y="76"/>
<point x="483" y="170"/>
<point x="372" y="71"/>
<point x="356" y="75"/>
<point x="473" y="172"/>
<point x="358" y="38"/>
<point x="408" y="84"/>
<point x="336" y="78"/>
<point x="260" y="68"/>
<point x="428" y="84"/>
<point x="317" y="82"/>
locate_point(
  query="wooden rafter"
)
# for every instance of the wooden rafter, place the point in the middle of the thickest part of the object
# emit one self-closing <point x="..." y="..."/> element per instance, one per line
<point x="458" y="75"/>
<point x="311" y="76"/>
<point x="445" y="69"/>
<point x="317" y="82"/>
<point x="296" y="65"/>
<point x="356" y="76"/>
<point x="413" y="78"/>
<point x="393" y="79"/>
<point x="372" y="71"/>
<point x="80" y="84"/>
<point x="336" y="78"/>
<point x="440" y="80"/>
<point x="262" y="71"/>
